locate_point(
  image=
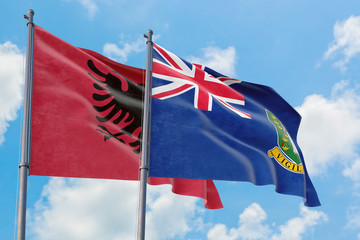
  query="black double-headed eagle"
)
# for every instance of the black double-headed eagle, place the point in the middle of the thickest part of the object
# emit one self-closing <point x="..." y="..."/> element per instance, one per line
<point x="119" y="101"/>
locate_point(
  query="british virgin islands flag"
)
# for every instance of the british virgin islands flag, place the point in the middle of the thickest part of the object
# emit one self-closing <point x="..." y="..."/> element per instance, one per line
<point x="205" y="125"/>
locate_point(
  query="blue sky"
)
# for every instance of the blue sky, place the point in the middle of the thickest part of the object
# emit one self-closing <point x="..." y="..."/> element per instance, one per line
<point x="308" y="51"/>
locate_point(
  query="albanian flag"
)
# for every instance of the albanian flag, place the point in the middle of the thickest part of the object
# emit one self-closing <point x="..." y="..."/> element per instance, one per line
<point x="86" y="118"/>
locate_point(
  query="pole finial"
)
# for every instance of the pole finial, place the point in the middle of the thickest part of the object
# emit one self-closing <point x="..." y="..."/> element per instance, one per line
<point x="30" y="16"/>
<point x="149" y="36"/>
<point x="31" y="12"/>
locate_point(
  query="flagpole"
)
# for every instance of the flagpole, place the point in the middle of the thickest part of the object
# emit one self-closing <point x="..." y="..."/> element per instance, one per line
<point x="25" y="145"/>
<point x="144" y="167"/>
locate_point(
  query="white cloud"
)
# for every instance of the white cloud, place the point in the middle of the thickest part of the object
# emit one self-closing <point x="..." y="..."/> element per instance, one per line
<point x="107" y="209"/>
<point x="300" y="225"/>
<point x="221" y="60"/>
<point x="330" y="129"/>
<point x="346" y="41"/>
<point x="353" y="172"/>
<point x="353" y="218"/>
<point x="90" y="6"/>
<point x="11" y="82"/>
<point x="121" y="54"/>
<point x="170" y="215"/>
<point x="252" y="226"/>
<point x="251" y="223"/>
<point x="85" y="209"/>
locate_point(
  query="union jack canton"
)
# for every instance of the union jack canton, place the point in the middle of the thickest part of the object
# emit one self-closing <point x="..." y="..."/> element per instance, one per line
<point x="182" y="76"/>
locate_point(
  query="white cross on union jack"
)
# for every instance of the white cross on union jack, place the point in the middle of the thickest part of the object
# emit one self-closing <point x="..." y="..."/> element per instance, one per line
<point x="184" y="77"/>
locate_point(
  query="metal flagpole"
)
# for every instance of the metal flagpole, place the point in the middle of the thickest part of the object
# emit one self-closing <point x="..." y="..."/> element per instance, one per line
<point x="25" y="146"/>
<point x="144" y="167"/>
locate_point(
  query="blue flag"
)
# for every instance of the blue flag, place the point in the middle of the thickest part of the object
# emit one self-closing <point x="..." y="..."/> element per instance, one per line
<point x="207" y="126"/>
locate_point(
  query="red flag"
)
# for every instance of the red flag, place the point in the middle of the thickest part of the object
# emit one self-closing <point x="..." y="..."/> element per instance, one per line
<point x="86" y="116"/>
